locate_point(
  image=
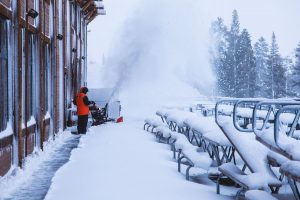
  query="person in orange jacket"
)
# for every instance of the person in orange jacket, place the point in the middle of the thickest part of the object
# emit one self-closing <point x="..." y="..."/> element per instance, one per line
<point x="82" y="102"/>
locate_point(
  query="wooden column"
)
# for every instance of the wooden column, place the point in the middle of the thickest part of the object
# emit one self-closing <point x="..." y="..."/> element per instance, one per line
<point x="42" y="72"/>
<point x="20" y="107"/>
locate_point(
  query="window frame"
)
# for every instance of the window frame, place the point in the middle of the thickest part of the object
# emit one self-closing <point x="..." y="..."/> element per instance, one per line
<point x="4" y="73"/>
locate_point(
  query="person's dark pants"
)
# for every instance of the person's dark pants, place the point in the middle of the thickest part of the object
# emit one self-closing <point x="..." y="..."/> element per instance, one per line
<point x="82" y="123"/>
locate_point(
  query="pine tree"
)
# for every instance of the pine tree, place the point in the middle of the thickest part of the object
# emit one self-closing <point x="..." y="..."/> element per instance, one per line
<point x="230" y="64"/>
<point x="261" y="50"/>
<point x="288" y="65"/>
<point x="245" y="68"/>
<point x="277" y="70"/>
<point x="295" y="77"/>
<point x="217" y="51"/>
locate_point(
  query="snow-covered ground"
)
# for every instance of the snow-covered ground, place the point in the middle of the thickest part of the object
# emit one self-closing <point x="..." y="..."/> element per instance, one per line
<point x="33" y="181"/>
<point x="122" y="161"/>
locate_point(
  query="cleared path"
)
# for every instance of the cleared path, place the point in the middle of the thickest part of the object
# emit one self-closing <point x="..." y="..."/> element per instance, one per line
<point x="34" y="182"/>
<point x="121" y="161"/>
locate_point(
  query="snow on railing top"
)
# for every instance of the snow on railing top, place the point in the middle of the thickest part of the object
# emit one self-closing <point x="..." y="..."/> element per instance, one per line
<point x="274" y="122"/>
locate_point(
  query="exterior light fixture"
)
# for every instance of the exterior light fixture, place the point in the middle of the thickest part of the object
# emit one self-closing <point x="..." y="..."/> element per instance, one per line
<point x="83" y="57"/>
<point x="60" y="37"/>
<point x="32" y="13"/>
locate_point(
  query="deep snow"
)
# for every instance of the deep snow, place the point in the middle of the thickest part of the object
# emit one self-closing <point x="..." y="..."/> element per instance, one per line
<point x="121" y="161"/>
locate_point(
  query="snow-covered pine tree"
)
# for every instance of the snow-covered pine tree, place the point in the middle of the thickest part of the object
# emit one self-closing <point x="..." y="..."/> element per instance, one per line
<point x="295" y="82"/>
<point x="230" y="65"/>
<point x="245" y="68"/>
<point x="288" y="64"/>
<point x="277" y="70"/>
<point x="218" y="41"/>
<point x="261" y="51"/>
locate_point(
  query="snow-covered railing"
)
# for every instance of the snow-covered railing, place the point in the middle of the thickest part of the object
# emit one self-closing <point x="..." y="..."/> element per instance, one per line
<point x="293" y="119"/>
<point x="247" y="147"/>
<point x="272" y="106"/>
<point x="243" y="109"/>
<point x="225" y="107"/>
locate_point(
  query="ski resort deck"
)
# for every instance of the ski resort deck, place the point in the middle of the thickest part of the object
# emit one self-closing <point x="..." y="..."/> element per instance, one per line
<point x="220" y="156"/>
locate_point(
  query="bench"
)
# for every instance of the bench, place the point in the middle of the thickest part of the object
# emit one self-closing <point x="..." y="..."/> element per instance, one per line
<point x="258" y="195"/>
<point x="162" y="113"/>
<point x="208" y="135"/>
<point x="251" y="181"/>
<point x="291" y="169"/>
<point x="151" y="123"/>
<point x="194" y="158"/>
<point x="163" y="133"/>
<point x="176" y="120"/>
<point x="248" y="148"/>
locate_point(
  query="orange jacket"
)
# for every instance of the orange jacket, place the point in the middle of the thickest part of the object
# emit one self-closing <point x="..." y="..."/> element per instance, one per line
<point x="82" y="109"/>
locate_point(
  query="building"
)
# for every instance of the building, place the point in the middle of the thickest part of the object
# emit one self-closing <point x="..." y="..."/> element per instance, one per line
<point x="42" y="65"/>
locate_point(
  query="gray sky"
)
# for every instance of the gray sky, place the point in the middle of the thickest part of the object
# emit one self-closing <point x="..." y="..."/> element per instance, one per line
<point x="260" y="17"/>
<point x="185" y="22"/>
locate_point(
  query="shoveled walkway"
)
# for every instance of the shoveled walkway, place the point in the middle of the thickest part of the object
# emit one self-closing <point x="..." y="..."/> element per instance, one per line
<point x="121" y="161"/>
<point x="34" y="182"/>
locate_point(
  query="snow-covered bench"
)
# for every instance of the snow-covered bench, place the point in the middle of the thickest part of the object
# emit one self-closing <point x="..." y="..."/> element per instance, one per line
<point x="258" y="195"/>
<point x="192" y="155"/>
<point x="176" y="120"/>
<point x="179" y="143"/>
<point x="291" y="170"/>
<point x="152" y="123"/>
<point x="208" y="135"/>
<point x="163" y="133"/>
<point x="283" y="136"/>
<point x="162" y="113"/>
<point x="254" y="155"/>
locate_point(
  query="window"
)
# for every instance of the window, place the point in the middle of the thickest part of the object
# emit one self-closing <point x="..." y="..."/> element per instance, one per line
<point x="46" y="77"/>
<point x="29" y="83"/>
<point x="3" y="75"/>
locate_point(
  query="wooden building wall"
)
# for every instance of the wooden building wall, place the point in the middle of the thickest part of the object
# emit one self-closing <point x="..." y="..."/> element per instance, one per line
<point x="42" y="72"/>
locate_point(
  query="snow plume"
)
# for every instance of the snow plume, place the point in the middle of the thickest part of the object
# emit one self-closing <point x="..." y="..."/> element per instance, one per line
<point x="161" y="55"/>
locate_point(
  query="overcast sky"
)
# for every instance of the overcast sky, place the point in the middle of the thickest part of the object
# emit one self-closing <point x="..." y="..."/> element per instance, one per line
<point x="186" y="22"/>
<point x="260" y="17"/>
